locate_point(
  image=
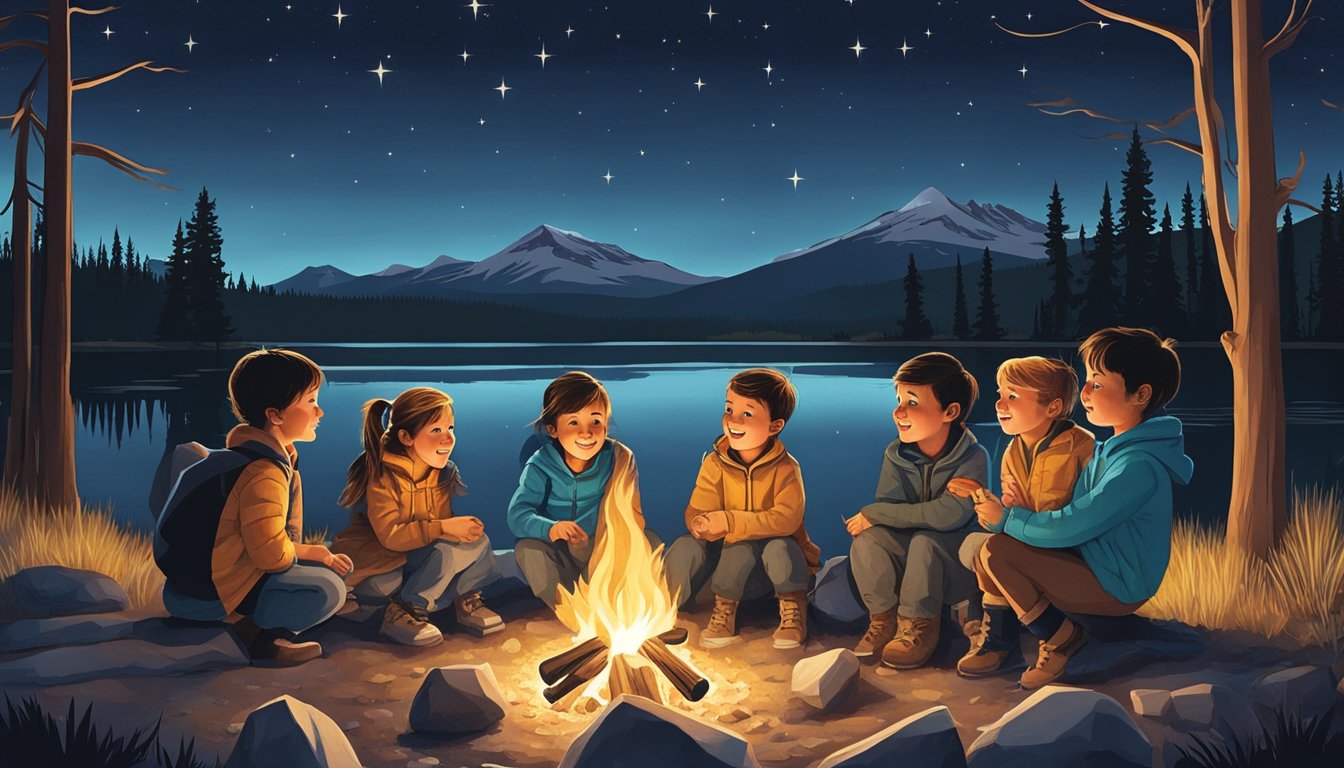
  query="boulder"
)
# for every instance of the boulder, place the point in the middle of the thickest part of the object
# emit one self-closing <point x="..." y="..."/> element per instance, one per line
<point x="53" y="590"/>
<point x="156" y="650"/>
<point x="1151" y="702"/>
<point x="835" y="600"/>
<point x="1118" y="645"/>
<point x="823" y="680"/>
<point x="464" y="698"/>
<point x="635" y="731"/>
<point x="1063" y="726"/>
<point x="30" y="634"/>
<point x="1207" y="707"/>
<point x="287" y="733"/>
<point x="924" y="740"/>
<point x="1298" y="692"/>
<point x="510" y="586"/>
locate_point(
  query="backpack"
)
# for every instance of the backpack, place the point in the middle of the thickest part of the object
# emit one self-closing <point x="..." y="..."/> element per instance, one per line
<point x="190" y="487"/>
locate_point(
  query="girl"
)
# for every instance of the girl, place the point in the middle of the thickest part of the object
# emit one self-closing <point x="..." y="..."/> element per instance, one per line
<point x="554" y="512"/>
<point x="412" y="551"/>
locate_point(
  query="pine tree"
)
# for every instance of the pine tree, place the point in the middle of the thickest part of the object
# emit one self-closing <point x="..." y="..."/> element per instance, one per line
<point x="1215" y="314"/>
<point x="204" y="244"/>
<point x="916" y="324"/>
<point x="1101" y="299"/>
<point x="1328" y="268"/>
<point x="987" y="326"/>
<point x="1036" y="319"/>
<point x="175" y="319"/>
<point x="1058" y="316"/>
<point x="1167" y="309"/>
<point x="1313" y="304"/>
<point x="1134" y="231"/>
<point x="254" y="288"/>
<point x="1288" y="312"/>
<point x="242" y="282"/>
<point x="1191" y="257"/>
<point x="961" y="323"/>
<point x="132" y="261"/>
<point x="118" y="263"/>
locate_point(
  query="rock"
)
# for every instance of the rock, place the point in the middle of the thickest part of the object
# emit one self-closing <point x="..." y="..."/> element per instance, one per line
<point x="510" y="586"/>
<point x="235" y="728"/>
<point x="288" y="732"/>
<point x="379" y="714"/>
<point x="381" y="678"/>
<point x="823" y="680"/>
<point x="1207" y="707"/>
<point x="183" y="650"/>
<point x="1062" y="726"/>
<point x="924" y="740"/>
<point x="53" y="590"/>
<point x="350" y="726"/>
<point x="1301" y="692"/>
<point x="835" y="600"/>
<point x="1150" y="702"/>
<point x="1121" y="644"/>
<point x="464" y="698"/>
<point x="735" y="716"/>
<point x="926" y="694"/>
<point x="660" y="737"/>
<point x="512" y="645"/>
<point x="28" y="634"/>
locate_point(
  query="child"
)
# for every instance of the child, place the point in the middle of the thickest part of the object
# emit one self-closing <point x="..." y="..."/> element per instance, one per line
<point x="259" y="565"/>
<point x="904" y="554"/>
<point x="1040" y="467"/>
<point x="413" y="552"/>
<point x="746" y="516"/>
<point x="1104" y="552"/>
<point x="555" y="511"/>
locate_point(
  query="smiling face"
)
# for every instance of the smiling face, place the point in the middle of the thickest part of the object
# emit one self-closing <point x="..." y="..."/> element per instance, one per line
<point x="297" y="422"/>
<point x="920" y="419"/>
<point x="1108" y="405"/>
<point x="433" y="444"/>
<point x="581" y="434"/>
<point x="747" y="425"/>
<point x="1020" y="410"/>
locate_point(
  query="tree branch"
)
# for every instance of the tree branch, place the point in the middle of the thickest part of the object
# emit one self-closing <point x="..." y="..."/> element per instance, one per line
<point x="1057" y="33"/>
<point x="34" y="44"/>
<point x="1332" y="105"/>
<point x="91" y="82"/>
<point x="1188" y="146"/>
<point x="1300" y="204"/>
<point x="1182" y="38"/>
<point x="1286" y="186"/>
<point x="5" y="21"/>
<point x="121" y="163"/>
<point x="1292" y="27"/>
<point x="93" y="11"/>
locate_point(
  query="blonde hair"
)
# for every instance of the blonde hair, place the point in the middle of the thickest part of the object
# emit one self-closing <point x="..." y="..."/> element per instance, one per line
<point x="412" y="411"/>
<point x="1054" y="379"/>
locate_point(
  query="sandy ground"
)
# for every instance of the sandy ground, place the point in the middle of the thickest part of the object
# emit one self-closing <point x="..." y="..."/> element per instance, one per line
<point x="366" y="686"/>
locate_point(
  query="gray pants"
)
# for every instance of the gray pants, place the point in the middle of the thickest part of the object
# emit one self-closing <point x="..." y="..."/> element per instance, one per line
<point x="434" y="576"/>
<point x="913" y="570"/>
<point x="970" y="549"/>
<point x="739" y="571"/>
<point x="549" y="565"/>
<point x="296" y="599"/>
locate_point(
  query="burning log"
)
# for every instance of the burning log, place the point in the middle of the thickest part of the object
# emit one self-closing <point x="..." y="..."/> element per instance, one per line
<point x="685" y="679"/>
<point x="581" y="674"/>
<point x="556" y="667"/>
<point x="632" y="674"/>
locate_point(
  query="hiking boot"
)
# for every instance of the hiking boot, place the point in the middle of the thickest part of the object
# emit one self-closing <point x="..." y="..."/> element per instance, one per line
<point x="722" y="627"/>
<point x="268" y="647"/>
<point x="473" y="616"/>
<point x="915" y="639"/>
<point x="881" y="628"/>
<point x="1053" y="657"/>
<point x="792" y="630"/>
<point x="408" y="627"/>
<point x="351" y="605"/>
<point x="995" y="644"/>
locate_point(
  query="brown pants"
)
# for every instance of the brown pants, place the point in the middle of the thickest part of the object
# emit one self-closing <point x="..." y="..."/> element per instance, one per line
<point x="1029" y="579"/>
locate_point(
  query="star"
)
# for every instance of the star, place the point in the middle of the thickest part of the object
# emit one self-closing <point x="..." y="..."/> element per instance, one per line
<point x="464" y="55"/>
<point x="766" y="26"/>
<point x="569" y="31"/>
<point x="698" y="84"/>
<point x="339" y="16"/>
<point x="607" y="176"/>
<point x="379" y="72"/>
<point x="1103" y="24"/>
<point x="928" y="32"/>
<point x="543" y="55"/>
<point x="482" y="121"/>
<point x="108" y="33"/>
<point x="476" y="6"/>
<point x="857" y="48"/>
<point x="711" y="14"/>
<point x="191" y="44"/>
<point x="1023" y="70"/>
<point x="502" y="88"/>
<point x="289" y="7"/>
<point x="905" y="48"/>
<point x="768" y="69"/>
<point x="795" y="178"/>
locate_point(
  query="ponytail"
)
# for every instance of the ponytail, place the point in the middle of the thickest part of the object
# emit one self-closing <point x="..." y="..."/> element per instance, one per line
<point x="368" y="463"/>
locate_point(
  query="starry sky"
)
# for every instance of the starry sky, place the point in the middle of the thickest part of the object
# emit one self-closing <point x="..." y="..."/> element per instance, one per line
<point x="662" y="127"/>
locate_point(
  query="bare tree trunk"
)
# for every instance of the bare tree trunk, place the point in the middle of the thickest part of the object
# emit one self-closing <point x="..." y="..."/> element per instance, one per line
<point x="20" y="458"/>
<point x="57" y="462"/>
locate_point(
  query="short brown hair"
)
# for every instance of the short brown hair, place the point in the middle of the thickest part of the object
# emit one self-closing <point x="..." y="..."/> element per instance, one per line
<point x="569" y="393"/>
<point x="769" y="388"/>
<point x="950" y="380"/>
<point x="1140" y="357"/>
<point x="269" y="378"/>
<point x="1054" y="379"/>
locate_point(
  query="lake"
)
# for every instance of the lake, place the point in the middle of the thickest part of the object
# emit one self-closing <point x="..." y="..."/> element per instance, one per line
<point x="667" y="400"/>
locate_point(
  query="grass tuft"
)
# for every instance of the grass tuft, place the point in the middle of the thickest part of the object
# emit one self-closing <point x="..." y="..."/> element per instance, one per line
<point x="1292" y="742"/>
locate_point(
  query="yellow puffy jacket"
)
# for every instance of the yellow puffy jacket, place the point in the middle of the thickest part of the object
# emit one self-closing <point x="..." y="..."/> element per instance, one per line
<point x="1048" y="474"/>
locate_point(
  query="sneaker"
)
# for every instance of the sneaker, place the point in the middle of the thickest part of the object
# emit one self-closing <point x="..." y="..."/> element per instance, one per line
<point x="792" y="630"/>
<point x="1053" y="657"/>
<point x="881" y="628"/>
<point x="722" y="627"/>
<point x="994" y="646"/>
<point x="351" y="605"/>
<point x="913" y="645"/>
<point x="473" y="616"/>
<point x="408" y="628"/>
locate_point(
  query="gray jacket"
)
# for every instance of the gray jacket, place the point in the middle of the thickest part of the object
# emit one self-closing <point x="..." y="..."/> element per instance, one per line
<point x="910" y="489"/>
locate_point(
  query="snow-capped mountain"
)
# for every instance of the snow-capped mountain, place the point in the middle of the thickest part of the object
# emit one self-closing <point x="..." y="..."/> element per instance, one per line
<point x="315" y="280"/>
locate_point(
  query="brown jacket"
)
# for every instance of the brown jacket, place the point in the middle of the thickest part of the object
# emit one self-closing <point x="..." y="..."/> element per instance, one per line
<point x="763" y="501"/>
<point x="261" y="521"/>
<point x="401" y="512"/>
<point x="1048" y="474"/>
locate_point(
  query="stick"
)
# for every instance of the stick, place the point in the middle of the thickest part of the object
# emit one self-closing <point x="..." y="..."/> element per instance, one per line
<point x="685" y="679"/>
<point x="638" y="678"/>
<point x="675" y="636"/>
<point x="585" y="672"/>
<point x="556" y="667"/>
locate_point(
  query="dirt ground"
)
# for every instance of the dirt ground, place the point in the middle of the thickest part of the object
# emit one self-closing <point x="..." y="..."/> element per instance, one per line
<point x="367" y="685"/>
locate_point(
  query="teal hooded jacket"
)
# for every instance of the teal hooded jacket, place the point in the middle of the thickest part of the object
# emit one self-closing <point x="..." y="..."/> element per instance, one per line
<point x="549" y="492"/>
<point x="1120" y="517"/>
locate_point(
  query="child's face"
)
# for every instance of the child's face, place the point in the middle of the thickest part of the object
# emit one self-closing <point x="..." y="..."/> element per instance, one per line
<point x="298" y="421"/>
<point x="581" y="433"/>
<point x="1020" y="410"/>
<point x="433" y="444"/>
<point x="918" y="415"/>
<point x="1106" y="403"/>
<point x="747" y="423"/>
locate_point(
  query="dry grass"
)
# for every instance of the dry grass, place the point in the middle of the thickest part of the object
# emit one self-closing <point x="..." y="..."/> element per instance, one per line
<point x="1294" y="593"/>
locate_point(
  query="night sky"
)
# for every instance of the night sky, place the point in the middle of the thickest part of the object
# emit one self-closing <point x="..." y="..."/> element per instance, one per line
<point x="313" y="160"/>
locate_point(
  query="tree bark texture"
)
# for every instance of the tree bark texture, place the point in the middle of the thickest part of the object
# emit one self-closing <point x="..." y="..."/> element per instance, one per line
<point x="20" y="470"/>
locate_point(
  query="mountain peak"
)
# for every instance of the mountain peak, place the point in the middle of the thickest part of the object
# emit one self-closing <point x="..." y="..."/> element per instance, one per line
<point x="930" y="196"/>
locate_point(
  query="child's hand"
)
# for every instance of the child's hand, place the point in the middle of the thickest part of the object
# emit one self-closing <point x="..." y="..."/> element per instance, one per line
<point x="698" y="526"/>
<point x="988" y="508"/>
<point x="568" y="530"/>
<point x="858" y="524"/>
<point x="713" y="525"/>
<point x="340" y="563"/>
<point x="1012" y="492"/>
<point x="465" y="529"/>
<point x="962" y="487"/>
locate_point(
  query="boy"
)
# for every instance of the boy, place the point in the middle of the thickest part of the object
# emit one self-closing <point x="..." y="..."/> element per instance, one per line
<point x="746" y="516"/>
<point x="1106" y="551"/>
<point x="259" y="566"/>
<point x="1040" y="467"/>
<point x="904" y="554"/>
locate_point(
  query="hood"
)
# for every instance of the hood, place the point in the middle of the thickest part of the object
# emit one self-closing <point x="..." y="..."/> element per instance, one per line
<point x="771" y="454"/>
<point x="551" y="460"/>
<point x="262" y="442"/>
<point x="908" y="455"/>
<point x="1161" y="438"/>
<point x="409" y="468"/>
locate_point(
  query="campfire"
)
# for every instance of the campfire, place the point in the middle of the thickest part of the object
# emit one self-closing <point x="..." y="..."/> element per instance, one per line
<point x="622" y="617"/>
